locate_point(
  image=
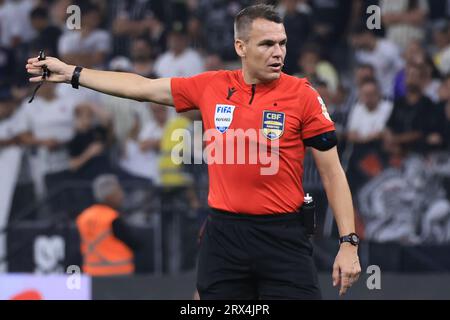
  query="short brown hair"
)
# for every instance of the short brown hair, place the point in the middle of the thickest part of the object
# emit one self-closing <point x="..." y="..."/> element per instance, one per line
<point x="246" y="16"/>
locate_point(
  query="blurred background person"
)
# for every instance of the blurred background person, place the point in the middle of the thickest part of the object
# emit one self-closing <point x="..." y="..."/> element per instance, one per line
<point x="382" y="54"/>
<point x="404" y="20"/>
<point x="47" y="125"/>
<point x="141" y="151"/>
<point x="10" y="164"/>
<point x="107" y="244"/>
<point x="89" y="46"/>
<point x="179" y="60"/>
<point x="47" y="35"/>
<point x="367" y="122"/>
<point x="142" y="57"/>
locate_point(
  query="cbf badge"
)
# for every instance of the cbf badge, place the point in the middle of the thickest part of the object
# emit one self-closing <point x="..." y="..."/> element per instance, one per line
<point x="273" y="124"/>
<point x="223" y="117"/>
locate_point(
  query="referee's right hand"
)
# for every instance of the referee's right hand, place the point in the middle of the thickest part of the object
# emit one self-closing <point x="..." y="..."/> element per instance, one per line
<point x="59" y="71"/>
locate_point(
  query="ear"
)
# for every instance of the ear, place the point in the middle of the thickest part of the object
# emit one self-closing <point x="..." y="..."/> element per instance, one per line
<point x="240" y="47"/>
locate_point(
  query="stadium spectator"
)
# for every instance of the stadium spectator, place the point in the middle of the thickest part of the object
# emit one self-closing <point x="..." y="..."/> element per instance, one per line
<point x="142" y="57"/>
<point x="10" y="160"/>
<point x="58" y="12"/>
<point x="424" y="73"/>
<point x="133" y="19"/>
<point x="214" y="62"/>
<point x="90" y="46"/>
<point x="196" y="34"/>
<point x="407" y="123"/>
<point x="141" y="150"/>
<point x="123" y="111"/>
<point x="179" y="60"/>
<point x="298" y="26"/>
<point x="330" y="21"/>
<point x="316" y="69"/>
<point x="88" y="148"/>
<point x="413" y="54"/>
<point x="404" y="20"/>
<point x="107" y="244"/>
<point x="47" y="34"/>
<point x="441" y="40"/>
<point x="368" y="118"/>
<point x="367" y="122"/>
<point x="46" y="126"/>
<point x="15" y="24"/>
<point x="7" y="71"/>
<point x="382" y="54"/>
<point x="217" y="18"/>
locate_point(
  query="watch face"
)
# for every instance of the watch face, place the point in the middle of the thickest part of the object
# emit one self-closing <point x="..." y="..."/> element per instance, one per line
<point x="355" y="238"/>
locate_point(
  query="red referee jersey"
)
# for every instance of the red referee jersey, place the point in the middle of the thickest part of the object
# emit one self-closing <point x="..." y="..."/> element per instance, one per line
<point x="286" y="111"/>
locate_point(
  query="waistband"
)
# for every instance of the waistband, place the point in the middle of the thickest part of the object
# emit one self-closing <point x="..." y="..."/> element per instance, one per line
<point x="217" y="214"/>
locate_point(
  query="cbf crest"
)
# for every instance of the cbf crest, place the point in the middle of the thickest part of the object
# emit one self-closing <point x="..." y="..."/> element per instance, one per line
<point x="223" y="117"/>
<point x="273" y="124"/>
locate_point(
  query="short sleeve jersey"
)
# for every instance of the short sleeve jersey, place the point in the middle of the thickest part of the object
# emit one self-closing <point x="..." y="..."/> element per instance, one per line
<point x="282" y="112"/>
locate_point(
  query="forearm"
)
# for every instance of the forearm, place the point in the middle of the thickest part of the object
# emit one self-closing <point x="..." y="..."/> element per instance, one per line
<point x="340" y="200"/>
<point x="78" y="162"/>
<point x="125" y="85"/>
<point x="8" y="142"/>
<point x="149" y="145"/>
<point x="415" y="17"/>
<point x="405" y="138"/>
<point x="29" y="140"/>
<point x="119" y="84"/>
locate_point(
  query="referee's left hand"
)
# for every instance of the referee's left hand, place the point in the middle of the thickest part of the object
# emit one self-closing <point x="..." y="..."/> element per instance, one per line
<point x="346" y="268"/>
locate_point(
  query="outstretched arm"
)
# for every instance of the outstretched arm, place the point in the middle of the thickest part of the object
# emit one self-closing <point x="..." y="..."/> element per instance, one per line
<point x="120" y="84"/>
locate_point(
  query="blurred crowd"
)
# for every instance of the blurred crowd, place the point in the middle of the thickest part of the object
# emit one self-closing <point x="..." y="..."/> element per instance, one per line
<point x="387" y="90"/>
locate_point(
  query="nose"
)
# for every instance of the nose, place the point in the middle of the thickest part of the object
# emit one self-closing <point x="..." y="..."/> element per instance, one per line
<point x="277" y="51"/>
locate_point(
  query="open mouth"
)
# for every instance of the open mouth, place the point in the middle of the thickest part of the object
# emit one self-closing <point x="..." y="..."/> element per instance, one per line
<point x="276" y="66"/>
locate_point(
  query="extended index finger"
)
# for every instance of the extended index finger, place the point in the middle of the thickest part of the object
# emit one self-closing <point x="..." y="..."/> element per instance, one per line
<point x="345" y="283"/>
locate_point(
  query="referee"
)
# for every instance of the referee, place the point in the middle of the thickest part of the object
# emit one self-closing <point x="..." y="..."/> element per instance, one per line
<point x="255" y="245"/>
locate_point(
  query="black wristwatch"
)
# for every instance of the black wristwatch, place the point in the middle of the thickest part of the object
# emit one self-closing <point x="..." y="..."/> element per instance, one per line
<point x="353" y="238"/>
<point x="76" y="77"/>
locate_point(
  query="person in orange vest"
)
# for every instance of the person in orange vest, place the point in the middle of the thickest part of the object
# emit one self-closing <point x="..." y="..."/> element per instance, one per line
<point x="106" y="242"/>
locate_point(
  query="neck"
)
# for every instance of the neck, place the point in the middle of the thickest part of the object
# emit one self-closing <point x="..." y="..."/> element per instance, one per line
<point x="249" y="78"/>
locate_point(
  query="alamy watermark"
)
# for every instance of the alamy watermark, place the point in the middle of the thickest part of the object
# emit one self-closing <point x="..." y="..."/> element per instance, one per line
<point x="73" y="281"/>
<point x="373" y="282"/>
<point x="73" y="21"/>
<point x="374" y="20"/>
<point x="236" y="147"/>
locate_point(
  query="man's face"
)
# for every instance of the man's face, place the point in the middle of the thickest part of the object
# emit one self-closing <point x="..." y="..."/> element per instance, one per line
<point x="414" y="75"/>
<point x="363" y="73"/>
<point x="308" y="62"/>
<point x="141" y="51"/>
<point x="91" y="20"/>
<point x="84" y="117"/>
<point x="116" y="197"/>
<point x="38" y="23"/>
<point x="177" y="42"/>
<point x="264" y="51"/>
<point x="370" y="95"/>
<point x="159" y="113"/>
<point x="361" y="41"/>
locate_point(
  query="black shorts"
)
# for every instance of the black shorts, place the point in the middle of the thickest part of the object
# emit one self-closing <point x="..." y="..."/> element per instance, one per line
<point x="256" y="257"/>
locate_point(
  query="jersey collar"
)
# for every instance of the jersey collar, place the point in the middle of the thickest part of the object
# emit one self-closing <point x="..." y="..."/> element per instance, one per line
<point x="260" y="86"/>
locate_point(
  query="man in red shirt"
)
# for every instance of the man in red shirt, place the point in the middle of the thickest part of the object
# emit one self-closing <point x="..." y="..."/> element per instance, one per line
<point x="255" y="245"/>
